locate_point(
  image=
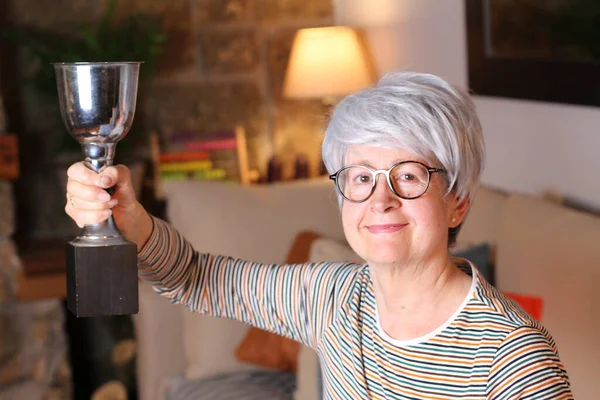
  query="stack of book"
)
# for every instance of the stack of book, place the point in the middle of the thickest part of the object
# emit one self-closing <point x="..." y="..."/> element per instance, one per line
<point x="212" y="158"/>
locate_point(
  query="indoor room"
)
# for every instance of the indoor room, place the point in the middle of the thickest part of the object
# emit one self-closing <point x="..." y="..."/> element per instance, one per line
<point x="222" y="110"/>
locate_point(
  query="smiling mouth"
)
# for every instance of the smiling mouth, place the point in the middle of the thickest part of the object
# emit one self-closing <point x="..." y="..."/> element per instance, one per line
<point x="385" y="228"/>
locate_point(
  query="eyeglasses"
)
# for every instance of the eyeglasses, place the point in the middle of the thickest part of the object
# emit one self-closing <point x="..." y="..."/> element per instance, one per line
<point x="407" y="180"/>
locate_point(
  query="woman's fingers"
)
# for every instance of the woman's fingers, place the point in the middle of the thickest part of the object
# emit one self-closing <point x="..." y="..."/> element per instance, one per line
<point x="80" y="173"/>
<point x="86" y="192"/>
<point x="91" y="205"/>
<point x="86" y="217"/>
<point x="118" y="175"/>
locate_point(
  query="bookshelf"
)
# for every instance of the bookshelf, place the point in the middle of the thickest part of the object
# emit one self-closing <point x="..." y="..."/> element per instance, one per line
<point x="219" y="156"/>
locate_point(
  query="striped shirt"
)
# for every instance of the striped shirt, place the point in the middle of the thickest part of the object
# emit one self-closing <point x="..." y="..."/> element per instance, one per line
<point x="490" y="348"/>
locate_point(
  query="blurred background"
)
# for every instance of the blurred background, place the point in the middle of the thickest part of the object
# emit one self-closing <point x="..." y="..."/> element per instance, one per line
<point x="208" y="65"/>
<point x="226" y="81"/>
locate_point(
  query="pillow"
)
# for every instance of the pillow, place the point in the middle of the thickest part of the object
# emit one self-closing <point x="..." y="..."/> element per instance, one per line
<point x="485" y="217"/>
<point x="269" y="350"/>
<point x="532" y="305"/>
<point x="328" y="249"/>
<point x="211" y="351"/>
<point x="481" y="256"/>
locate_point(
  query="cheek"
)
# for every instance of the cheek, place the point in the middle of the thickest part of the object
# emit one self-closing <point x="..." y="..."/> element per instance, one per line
<point x="348" y="217"/>
<point x="433" y="218"/>
<point x="429" y="216"/>
<point x="351" y="220"/>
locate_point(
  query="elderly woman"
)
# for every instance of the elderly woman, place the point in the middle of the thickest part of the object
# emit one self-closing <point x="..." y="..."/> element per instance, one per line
<point x="411" y="323"/>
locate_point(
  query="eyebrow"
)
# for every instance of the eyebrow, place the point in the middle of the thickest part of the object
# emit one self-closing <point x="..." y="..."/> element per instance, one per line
<point x="368" y="164"/>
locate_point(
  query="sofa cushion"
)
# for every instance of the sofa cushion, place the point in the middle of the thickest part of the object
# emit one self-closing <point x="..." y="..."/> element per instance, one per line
<point x="480" y="256"/>
<point x="256" y="223"/>
<point x="331" y="249"/>
<point x="160" y="353"/>
<point x="270" y="350"/>
<point x="209" y="344"/>
<point x="552" y="252"/>
<point x="482" y="225"/>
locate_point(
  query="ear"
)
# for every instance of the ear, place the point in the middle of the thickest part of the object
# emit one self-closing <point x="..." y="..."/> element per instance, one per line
<point x="459" y="212"/>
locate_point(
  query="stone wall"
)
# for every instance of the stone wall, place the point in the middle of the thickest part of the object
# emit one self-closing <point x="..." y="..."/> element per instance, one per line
<point x="33" y="355"/>
<point x="224" y="65"/>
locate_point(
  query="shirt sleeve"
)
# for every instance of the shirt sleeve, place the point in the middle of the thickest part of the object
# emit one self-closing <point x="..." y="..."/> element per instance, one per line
<point x="298" y="301"/>
<point x="527" y="366"/>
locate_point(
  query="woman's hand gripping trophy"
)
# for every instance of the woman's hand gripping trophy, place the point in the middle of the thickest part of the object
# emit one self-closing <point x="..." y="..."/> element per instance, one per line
<point x="89" y="203"/>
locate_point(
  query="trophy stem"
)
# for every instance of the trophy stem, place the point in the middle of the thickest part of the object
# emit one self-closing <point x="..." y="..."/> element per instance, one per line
<point x="98" y="156"/>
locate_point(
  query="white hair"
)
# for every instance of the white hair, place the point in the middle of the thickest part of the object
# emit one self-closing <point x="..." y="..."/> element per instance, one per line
<point x="417" y="112"/>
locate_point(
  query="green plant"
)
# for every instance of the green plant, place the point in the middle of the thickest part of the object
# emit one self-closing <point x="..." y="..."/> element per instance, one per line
<point x="137" y="37"/>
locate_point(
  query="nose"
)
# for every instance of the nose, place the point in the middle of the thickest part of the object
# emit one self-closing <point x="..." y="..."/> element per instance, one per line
<point x="383" y="199"/>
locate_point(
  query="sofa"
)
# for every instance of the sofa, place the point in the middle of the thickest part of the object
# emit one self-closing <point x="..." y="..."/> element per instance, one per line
<point x="539" y="248"/>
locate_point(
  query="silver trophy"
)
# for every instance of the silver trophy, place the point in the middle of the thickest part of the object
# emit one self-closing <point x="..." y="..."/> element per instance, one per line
<point x="97" y="103"/>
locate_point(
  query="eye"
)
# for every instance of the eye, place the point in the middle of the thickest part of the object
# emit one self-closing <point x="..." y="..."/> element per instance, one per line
<point x="403" y="176"/>
<point x="362" y="178"/>
<point x="357" y="176"/>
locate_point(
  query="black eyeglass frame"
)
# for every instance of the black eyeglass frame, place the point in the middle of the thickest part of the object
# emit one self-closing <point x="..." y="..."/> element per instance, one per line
<point x="386" y="173"/>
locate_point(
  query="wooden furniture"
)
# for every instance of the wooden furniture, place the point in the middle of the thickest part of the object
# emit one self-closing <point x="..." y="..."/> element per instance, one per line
<point x="43" y="273"/>
<point x="245" y="175"/>
<point x="41" y="287"/>
<point x="9" y="157"/>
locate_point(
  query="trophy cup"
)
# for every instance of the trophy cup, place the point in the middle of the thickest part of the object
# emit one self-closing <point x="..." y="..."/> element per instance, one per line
<point x="97" y="103"/>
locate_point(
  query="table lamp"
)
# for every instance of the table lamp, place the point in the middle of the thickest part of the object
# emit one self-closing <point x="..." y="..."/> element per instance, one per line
<point x="326" y="63"/>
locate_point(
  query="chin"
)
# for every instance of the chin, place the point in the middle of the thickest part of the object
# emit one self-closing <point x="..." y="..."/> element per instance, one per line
<point x="387" y="261"/>
<point x="380" y="255"/>
<point x="383" y="251"/>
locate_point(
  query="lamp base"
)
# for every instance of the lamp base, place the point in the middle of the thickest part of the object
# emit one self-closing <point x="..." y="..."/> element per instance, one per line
<point x="102" y="280"/>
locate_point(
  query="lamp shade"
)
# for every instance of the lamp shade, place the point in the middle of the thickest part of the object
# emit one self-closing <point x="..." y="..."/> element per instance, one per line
<point x="326" y="62"/>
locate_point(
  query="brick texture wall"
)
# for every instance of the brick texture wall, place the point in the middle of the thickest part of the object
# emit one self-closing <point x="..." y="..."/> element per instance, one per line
<point x="226" y="65"/>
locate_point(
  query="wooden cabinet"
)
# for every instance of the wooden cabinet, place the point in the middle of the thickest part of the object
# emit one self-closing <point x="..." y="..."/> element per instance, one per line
<point x="43" y="275"/>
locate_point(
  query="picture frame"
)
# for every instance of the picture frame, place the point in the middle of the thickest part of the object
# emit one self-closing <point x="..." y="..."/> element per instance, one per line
<point x="555" y="80"/>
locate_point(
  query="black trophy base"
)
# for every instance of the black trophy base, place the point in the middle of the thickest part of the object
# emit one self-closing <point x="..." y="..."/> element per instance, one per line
<point x="103" y="280"/>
